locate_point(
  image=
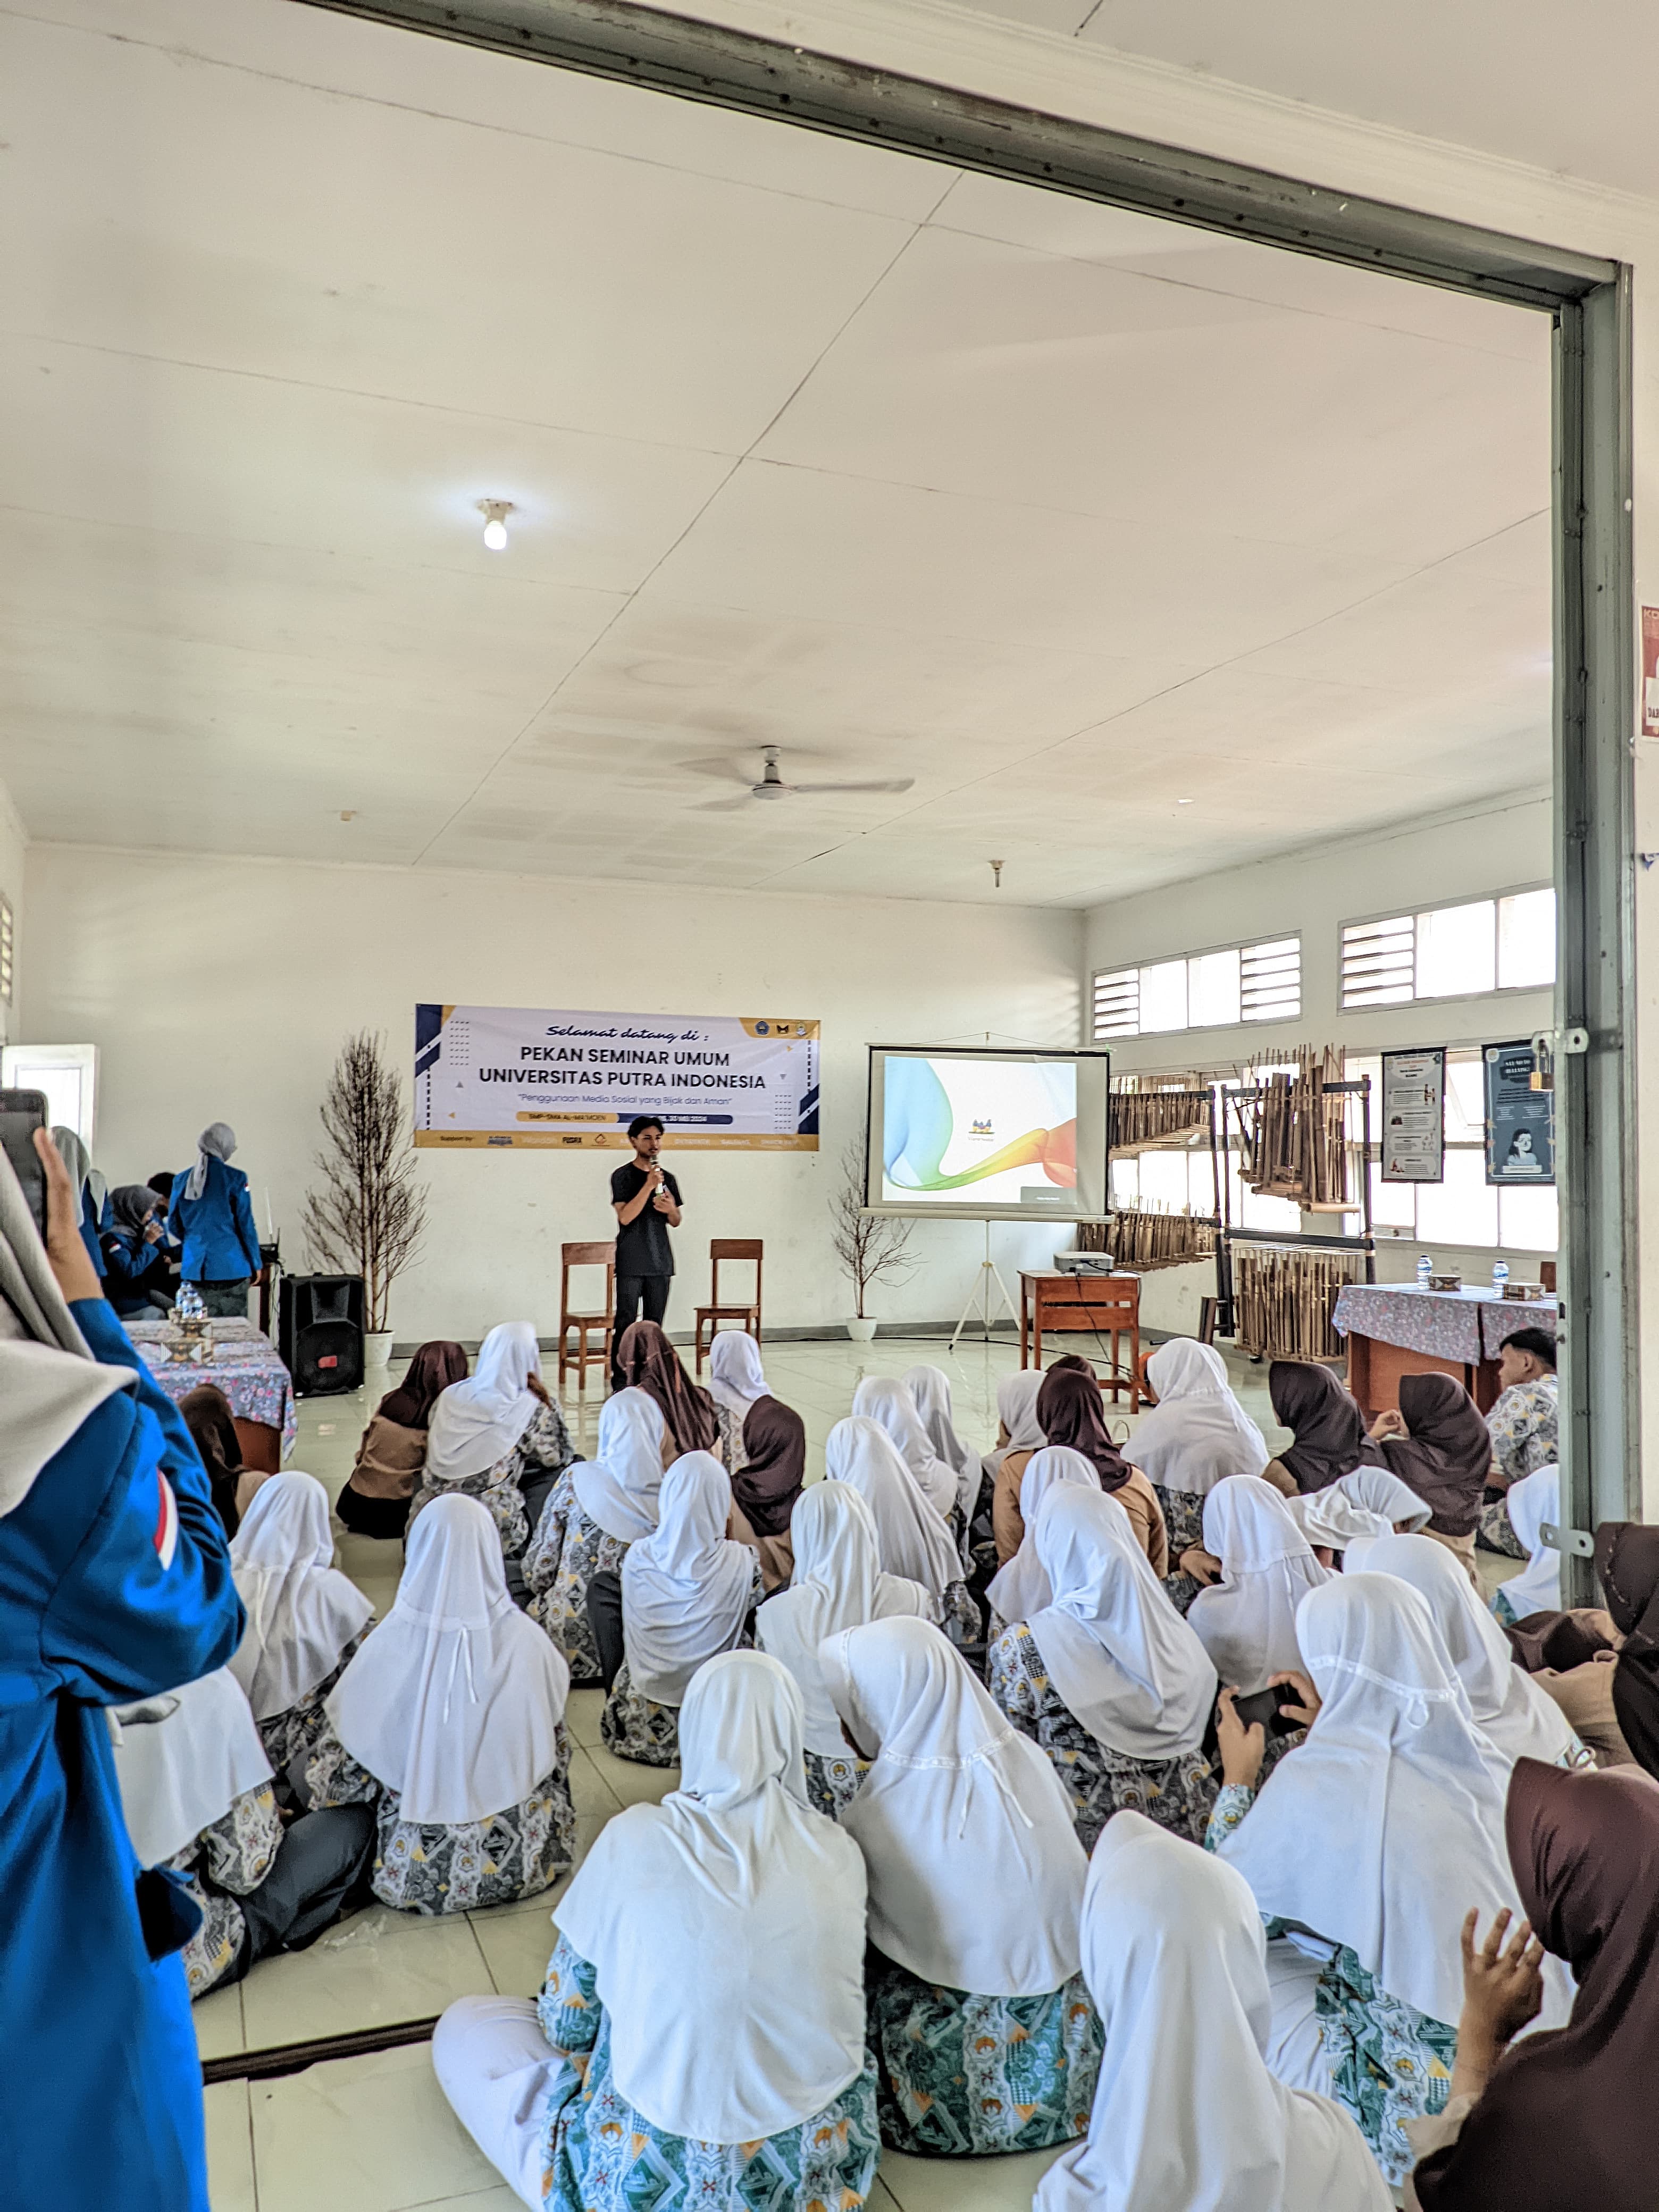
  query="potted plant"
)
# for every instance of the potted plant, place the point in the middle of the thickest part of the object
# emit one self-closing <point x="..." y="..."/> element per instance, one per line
<point x="370" y="1215"/>
<point x="872" y="1248"/>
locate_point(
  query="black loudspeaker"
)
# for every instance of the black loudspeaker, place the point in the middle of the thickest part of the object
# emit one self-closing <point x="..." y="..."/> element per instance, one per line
<point x="319" y="1332"/>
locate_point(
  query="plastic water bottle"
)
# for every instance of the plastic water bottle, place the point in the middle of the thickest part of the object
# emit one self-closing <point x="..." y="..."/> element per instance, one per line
<point x="1425" y="1269"/>
<point x="1500" y="1275"/>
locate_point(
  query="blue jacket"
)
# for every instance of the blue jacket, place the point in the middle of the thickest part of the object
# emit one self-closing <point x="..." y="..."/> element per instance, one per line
<point x="131" y="1267"/>
<point x="221" y="1244"/>
<point x="100" y="2099"/>
<point x="89" y="1229"/>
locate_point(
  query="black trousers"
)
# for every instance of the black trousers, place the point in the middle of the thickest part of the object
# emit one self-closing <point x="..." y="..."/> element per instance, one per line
<point x="322" y="1858"/>
<point x="633" y="1291"/>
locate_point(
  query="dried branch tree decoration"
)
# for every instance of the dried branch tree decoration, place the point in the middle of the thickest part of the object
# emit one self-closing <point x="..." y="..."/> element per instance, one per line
<point x="872" y="1247"/>
<point x="369" y="1217"/>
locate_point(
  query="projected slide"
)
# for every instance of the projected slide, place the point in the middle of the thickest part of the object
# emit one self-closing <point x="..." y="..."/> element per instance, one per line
<point x="1001" y="1131"/>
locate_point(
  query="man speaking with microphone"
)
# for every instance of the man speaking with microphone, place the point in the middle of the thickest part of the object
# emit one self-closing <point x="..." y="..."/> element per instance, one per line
<point x="645" y="1200"/>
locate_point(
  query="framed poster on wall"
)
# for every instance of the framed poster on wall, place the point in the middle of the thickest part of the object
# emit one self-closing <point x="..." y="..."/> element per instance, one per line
<point x="1413" y="1139"/>
<point x="1519" y="1121"/>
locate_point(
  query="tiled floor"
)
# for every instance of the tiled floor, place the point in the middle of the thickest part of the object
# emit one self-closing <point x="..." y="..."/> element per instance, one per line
<point x="373" y="2134"/>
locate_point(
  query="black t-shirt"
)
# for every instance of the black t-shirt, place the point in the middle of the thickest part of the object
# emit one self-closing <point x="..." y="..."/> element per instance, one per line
<point x="642" y="1245"/>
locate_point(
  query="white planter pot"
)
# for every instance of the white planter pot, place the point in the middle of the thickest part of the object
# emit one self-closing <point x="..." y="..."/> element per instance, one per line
<point x="861" y="1331"/>
<point x="377" y="1349"/>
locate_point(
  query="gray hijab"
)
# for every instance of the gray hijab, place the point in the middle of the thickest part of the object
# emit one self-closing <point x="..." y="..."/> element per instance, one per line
<point x="217" y="1141"/>
<point x="83" y="1174"/>
<point x="50" y="1382"/>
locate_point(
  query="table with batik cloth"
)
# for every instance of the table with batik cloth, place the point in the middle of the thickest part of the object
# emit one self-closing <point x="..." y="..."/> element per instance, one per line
<point x="1394" y="1328"/>
<point x="246" y="1367"/>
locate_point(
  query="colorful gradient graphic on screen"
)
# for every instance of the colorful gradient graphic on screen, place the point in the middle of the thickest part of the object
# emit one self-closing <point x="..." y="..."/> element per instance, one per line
<point x="951" y="1125"/>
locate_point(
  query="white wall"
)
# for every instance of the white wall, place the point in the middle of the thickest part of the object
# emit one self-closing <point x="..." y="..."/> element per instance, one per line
<point x="220" y="990"/>
<point x="13" y="844"/>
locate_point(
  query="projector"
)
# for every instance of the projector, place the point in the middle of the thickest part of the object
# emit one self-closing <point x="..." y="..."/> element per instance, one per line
<point x="1086" y="1263"/>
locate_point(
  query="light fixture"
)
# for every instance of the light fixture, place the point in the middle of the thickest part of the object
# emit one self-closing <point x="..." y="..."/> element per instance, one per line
<point x="1183" y="802"/>
<point x="997" y="867"/>
<point x="494" y="513"/>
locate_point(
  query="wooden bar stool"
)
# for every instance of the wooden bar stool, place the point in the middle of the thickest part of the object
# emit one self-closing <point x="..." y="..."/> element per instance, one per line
<point x="721" y="1248"/>
<point x="584" y="1356"/>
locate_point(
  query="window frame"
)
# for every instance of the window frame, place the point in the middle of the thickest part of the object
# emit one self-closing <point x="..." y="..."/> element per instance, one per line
<point x="1124" y="969"/>
<point x="1494" y="899"/>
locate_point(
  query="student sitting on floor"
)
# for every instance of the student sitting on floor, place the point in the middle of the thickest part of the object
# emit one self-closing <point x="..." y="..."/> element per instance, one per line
<point x="767" y="1484"/>
<point x="306" y="1620"/>
<point x="698" y="2038"/>
<point x="736" y="1382"/>
<point x="914" y="1541"/>
<point x="1246" y="1620"/>
<point x="646" y="1360"/>
<point x="595" y="1510"/>
<point x="134" y="1247"/>
<point x="886" y="1403"/>
<point x="1522" y="1427"/>
<point x="1070" y="1411"/>
<point x="1195" y="1437"/>
<point x="392" y="1457"/>
<point x="450" y="1721"/>
<point x="984" y="2036"/>
<point x="497" y="1436"/>
<point x="930" y="1393"/>
<point x="1020" y="1588"/>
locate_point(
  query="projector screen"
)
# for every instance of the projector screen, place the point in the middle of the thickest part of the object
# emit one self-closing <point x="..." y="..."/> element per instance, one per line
<point x="988" y="1135"/>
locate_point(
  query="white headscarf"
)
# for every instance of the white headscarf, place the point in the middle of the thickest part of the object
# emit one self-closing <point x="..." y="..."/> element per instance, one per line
<point x="685" y="1587"/>
<point x="217" y="1142"/>
<point x="1247" y="1621"/>
<point x="930" y="1393"/>
<point x="618" y="1490"/>
<point x="82" y="1173"/>
<point x="1187" y="2118"/>
<point x="455" y="1700"/>
<point x="726" y="1925"/>
<point x="838" y="1583"/>
<point x="736" y="1378"/>
<point x="1021" y="1589"/>
<point x="1506" y="1703"/>
<point x="915" y="1543"/>
<point x="976" y="1871"/>
<point x="182" y="1760"/>
<point x="50" y="1383"/>
<point x="1385" y="1827"/>
<point x="1016" y="1397"/>
<point x="879" y="1399"/>
<point x="1198" y="1433"/>
<point x="1532" y="1501"/>
<point x="302" y="1612"/>
<point x="478" y="1421"/>
<point x="1366" y="1502"/>
<point x="1121" y="1658"/>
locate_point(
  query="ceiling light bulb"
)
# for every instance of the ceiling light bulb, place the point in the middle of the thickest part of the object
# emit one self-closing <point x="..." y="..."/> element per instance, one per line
<point x="494" y="513"/>
<point x="495" y="536"/>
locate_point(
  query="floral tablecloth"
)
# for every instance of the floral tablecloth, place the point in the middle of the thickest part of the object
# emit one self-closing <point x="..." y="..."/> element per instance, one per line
<point x="1468" y="1325"/>
<point x="244" y="1365"/>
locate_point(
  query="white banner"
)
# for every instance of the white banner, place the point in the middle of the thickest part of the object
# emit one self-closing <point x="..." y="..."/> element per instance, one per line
<point x="515" y="1076"/>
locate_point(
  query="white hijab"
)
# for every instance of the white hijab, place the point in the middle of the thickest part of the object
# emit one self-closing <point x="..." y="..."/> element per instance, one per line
<point x="182" y="1761"/>
<point x="1506" y="1703"/>
<point x="976" y="1871"/>
<point x="1187" y="2118"/>
<point x="1016" y="1397"/>
<point x="1198" y="1433"/>
<point x="455" y="1700"/>
<point x="1367" y="1501"/>
<point x="1385" y="1827"/>
<point x="216" y="1142"/>
<point x="930" y="1393"/>
<point x="736" y="1378"/>
<point x="1532" y="1501"/>
<point x="477" y="1422"/>
<point x="1121" y="1658"/>
<point x="838" y="1583"/>
<point x="915" y="1543"/>
<point x="618" y="1490"/>
<point x="1021" y="1589"/>
<point x="879" y="1399"/>
<point x="301" y="1612"/>
<point x="685" y="1587"/>
<point x="726" y="1925"/>
<point x="1247" y="1621"/>
<point x="50" y="1383"/>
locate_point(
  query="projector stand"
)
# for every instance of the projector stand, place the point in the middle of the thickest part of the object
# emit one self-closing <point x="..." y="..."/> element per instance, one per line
<point x="986" y="1286"/>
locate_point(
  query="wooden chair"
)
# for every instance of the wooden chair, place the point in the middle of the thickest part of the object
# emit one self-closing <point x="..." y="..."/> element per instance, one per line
<point x="721" y="1248"/>
<point x="584" y="1356"/>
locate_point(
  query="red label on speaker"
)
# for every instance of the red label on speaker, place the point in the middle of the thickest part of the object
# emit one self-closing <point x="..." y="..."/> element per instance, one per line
<point x="332" y="1360"/>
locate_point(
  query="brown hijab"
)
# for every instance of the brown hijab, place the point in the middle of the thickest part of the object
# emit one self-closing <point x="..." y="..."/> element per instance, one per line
<point x="1447" y="1457"/>
<point x="433" y="1368"/>
<point x="1069" y="1412"/>
<point x="649" y="1362"/>
<point x="1627" y="1560"/>
<point x="1568" y="2117"/>
<point x="1327" y="1430"/>
<point x="770" y="1481"/>
<point x="213" y="1431"/>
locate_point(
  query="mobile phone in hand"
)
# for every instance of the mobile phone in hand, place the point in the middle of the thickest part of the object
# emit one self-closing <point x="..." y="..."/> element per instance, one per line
<point x="1266" y="1708"/>
<point x="21" y="1112"/>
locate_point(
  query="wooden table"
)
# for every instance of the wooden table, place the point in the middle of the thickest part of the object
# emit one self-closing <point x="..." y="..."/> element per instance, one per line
<point x="246" y="1368"/>
<point x="1107" y="1305"/>
<point x="1394" y="1329"/>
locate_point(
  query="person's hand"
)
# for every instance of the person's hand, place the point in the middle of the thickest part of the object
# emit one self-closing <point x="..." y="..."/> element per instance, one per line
<point x="1243" y="1749"/>
<point x="1502" y="1984"/>
<point x="152" y="1231"/>
<point x="663" y="1202"/>
<point x="1203" y="1567"/>
<point x="654" y="1177"/>
<point x="1389" y="1424"/>
<point x="1307" y="1712"/>
<point x="76" y="1276"/>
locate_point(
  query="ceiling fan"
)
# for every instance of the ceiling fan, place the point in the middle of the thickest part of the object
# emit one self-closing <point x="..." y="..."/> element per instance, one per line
<point x="772" y="787"/>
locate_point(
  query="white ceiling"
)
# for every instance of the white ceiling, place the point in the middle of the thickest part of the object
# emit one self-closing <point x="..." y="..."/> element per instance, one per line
<point x="1065" y="513"/>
